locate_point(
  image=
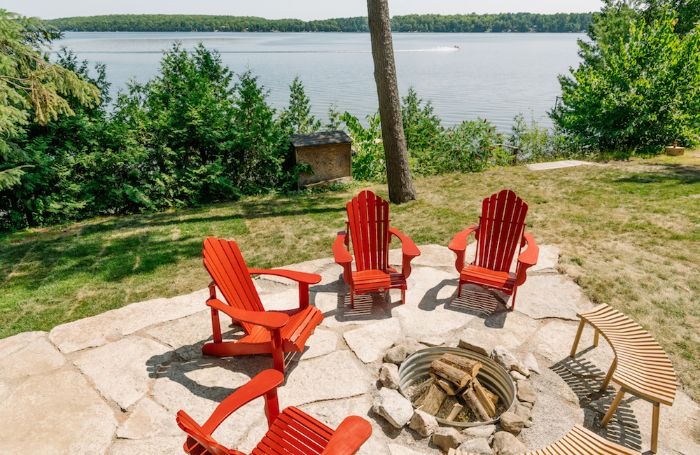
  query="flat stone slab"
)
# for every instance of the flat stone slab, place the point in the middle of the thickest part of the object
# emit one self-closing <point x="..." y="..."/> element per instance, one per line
<point x="551" y="296"/>
<point x="547" y="261"/>
<point x="28" y="354"/>
<point x="371" y="341"/>
<point x="557" y="165"/>
<point x="115" y="324"/>
<point x="56" y="413"/>
<point x="120" y="370"/>
<point x="148" y="420"/>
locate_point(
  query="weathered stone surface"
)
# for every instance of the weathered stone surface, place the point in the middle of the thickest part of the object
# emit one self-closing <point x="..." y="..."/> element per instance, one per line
<point x="114" y="324"/>
<point x="396" y="354"/>
<point x="551" y="296"/>
<point x="326" y="267"/>
<point x="512" y="422"/>
<point x="477" y="446"/>
<point x="482" y="431"/>
<point x="505" y="443"/>
<point x="430" y="256"/>
<point x="120" y="370"/>
<point x="447" y="438"/>
<point x="423" y="423"/>
<point x="553" y="340"/>
<point x="187" y="335"/>
<point x="338" y="313"/>
<point x="530" y="362"/>
<point x="371" y="341"/>
<point x="426" y="284"/>
<point x="331" y="377"/>
<point x="333" y="412"/>
<point x="159" y="445"/>
<point x="396" y="449"/>
<point x="56" y="412"/>
<point x="526" y="392"/>
<point x="517" y="376"/>
<point x="282" y="301"/>
<point x="322" y="342"/>
<point x="391" y="405"/>
<point x="525" y="412"/>
<point x="508" y="360"/>
<point x="389" y="376"/>
<point x="148" y="419"/>
<point x="28" y="354"/>
<point x="547" y="261"/>
<point x="425" y="325"/>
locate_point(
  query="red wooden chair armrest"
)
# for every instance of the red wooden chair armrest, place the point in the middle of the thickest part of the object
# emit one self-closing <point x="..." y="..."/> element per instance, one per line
<point x="269" y="319"/>
<point x="260" y="385"/>
<point x="349" y="437"/>
<point x="408" y="247"/>
<point x="458" y="245"/>
<point x="299" y="277"/>
<point x="526" y="259"/>
<point x="341" y="255"/>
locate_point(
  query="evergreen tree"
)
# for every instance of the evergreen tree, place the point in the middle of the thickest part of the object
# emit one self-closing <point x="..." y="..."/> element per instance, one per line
<point x="297" y="118"/>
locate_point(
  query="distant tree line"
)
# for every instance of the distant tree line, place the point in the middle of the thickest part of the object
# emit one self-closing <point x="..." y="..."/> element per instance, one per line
<point x="463" y="23"/>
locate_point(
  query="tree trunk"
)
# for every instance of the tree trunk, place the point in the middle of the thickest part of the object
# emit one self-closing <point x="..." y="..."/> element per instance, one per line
<point x="398" y="174"/>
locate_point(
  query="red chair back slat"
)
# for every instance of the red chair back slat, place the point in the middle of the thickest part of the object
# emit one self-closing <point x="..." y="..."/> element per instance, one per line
<point x="368" y="222"/>
<point x="225" y="264"/>
<point x="501" y="227"/>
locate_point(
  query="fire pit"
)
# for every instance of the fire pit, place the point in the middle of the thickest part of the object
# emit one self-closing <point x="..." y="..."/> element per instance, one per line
<point x="456" y="385"/>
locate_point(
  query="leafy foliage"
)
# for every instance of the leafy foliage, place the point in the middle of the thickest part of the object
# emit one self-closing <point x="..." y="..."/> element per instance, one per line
<point x="462" y="23"/>
<point x="638" y="86"/>
<point x="297" y="118"/>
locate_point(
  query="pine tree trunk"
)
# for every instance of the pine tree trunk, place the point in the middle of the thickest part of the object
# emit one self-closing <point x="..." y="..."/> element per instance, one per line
<point x="398" y="173"/>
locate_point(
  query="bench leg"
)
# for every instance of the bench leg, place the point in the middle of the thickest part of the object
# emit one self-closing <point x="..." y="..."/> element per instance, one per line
<point x="608" y="376"/>
<point x="577" y="339"/>
<point x="596" y="338"/>
<point x="655" y="427"/>
<point x="613" y="407"/>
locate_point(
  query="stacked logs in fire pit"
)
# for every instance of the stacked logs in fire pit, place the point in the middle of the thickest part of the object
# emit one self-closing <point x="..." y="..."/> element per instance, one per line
<point x="453" y="384"/>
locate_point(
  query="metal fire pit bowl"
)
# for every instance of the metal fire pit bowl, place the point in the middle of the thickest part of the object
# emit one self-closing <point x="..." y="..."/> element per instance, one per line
<point x="415" y="369"/>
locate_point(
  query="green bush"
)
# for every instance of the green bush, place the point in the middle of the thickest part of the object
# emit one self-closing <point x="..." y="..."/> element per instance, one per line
<point x="637" y="88"/>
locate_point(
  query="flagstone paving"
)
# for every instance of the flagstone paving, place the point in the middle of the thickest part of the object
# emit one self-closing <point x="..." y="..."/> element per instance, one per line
<point x="112" y="383"/>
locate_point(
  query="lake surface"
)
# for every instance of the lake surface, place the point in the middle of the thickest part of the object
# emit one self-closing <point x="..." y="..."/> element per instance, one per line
<point x="466" y="75"/>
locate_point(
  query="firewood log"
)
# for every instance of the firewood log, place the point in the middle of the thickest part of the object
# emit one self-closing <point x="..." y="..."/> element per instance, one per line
<point x="484" y="398"/>
<point x="470" y="366"/>
<point x="474" y="404"/>
<point x="456" y="409"/>
<point x="446" y="385"/>
<point x="433" y="399"/>
<point x="450" y="373"/>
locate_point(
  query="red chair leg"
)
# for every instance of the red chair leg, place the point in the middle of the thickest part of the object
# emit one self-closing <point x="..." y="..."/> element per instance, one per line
<point x="352" y="298"/>
<point x="403" y="296"/>
<point x="459" y="290"/>
<point x="512" y="302"/>
<point x="216" y="326"/>
<point x="277" y="352"/>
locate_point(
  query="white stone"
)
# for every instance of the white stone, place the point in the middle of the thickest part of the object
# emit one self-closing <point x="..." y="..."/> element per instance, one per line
<point x="389" y="376"/>
<point x="481" y="431"/>
<point x="508" y="360"/>
<point x="447" y="438"/>
<point x="477" y="446"/>
<point x="553" y="341"/>
<point x="320" y="343"/>
<point x="120" y="370"/>
<point x="530" y="362"/>
<point x="371" y="341"/>
<point x="551" y="296"/>
<point x="148" y="419"/>
<point x="423" y="423"/>
<point x="547" y="261"/>
<point x="56" y="412"/>
<point x="331" y="377"/>
<point x="391" y="405"/>
<point x="512" y="423"/>
<point x="396" y="449"/>
<point x="505" y="443"/>
<point x="396" y="354"/>
<point x="187" y="335"/>
<point x="112" y="325"/>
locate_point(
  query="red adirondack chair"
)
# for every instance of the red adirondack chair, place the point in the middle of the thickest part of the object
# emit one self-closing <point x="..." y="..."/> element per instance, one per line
<point x="500" y="232"/>
<point x="289" y="432"/>
<point x="370" y="234"/>
<point x="267" y="332"/>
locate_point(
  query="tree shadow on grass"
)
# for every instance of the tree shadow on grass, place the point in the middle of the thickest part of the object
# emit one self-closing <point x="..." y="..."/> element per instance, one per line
<point x="681" y="174"/>
<point x="585" y="379"/>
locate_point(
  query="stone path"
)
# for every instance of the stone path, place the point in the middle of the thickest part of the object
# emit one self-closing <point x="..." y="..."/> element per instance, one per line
<point x="112" y="383"/>
<point x="557" y="165"/>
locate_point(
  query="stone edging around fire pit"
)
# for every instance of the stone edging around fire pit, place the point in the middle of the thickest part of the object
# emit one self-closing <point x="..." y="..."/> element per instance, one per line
<point x="112" y="383"/>
<point x="398" y="411"/>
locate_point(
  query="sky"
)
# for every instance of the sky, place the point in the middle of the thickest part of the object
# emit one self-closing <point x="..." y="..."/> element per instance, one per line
<point x="300" y="9"/>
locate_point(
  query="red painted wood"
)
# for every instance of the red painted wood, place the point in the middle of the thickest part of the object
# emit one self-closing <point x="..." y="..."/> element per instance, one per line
<point x="500" y="233"/>
<point x="368" y="236"/>
<point x="291" y="432"/>
<point x="267" y="332"/>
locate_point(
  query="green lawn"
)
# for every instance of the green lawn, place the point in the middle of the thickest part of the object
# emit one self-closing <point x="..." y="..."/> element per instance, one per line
<point x="629" y="233"/>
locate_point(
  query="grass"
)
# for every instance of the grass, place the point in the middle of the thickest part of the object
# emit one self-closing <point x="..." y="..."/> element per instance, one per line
<point x="629" y="234"/>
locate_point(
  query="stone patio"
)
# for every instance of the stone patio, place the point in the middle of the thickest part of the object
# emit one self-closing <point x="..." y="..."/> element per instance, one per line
<point x="112" y="383"/>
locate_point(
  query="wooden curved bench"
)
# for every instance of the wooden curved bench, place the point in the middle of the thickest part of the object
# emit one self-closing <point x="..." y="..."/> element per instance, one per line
<point x="578" y="441"/>
<point x="640" y="367"/>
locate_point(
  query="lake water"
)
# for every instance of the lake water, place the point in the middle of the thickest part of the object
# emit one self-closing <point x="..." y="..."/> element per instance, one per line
<point x="467" y="76"/>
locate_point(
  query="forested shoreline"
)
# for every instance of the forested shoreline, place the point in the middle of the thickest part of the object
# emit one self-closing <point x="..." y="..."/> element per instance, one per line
<point x="463" y="23"/>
